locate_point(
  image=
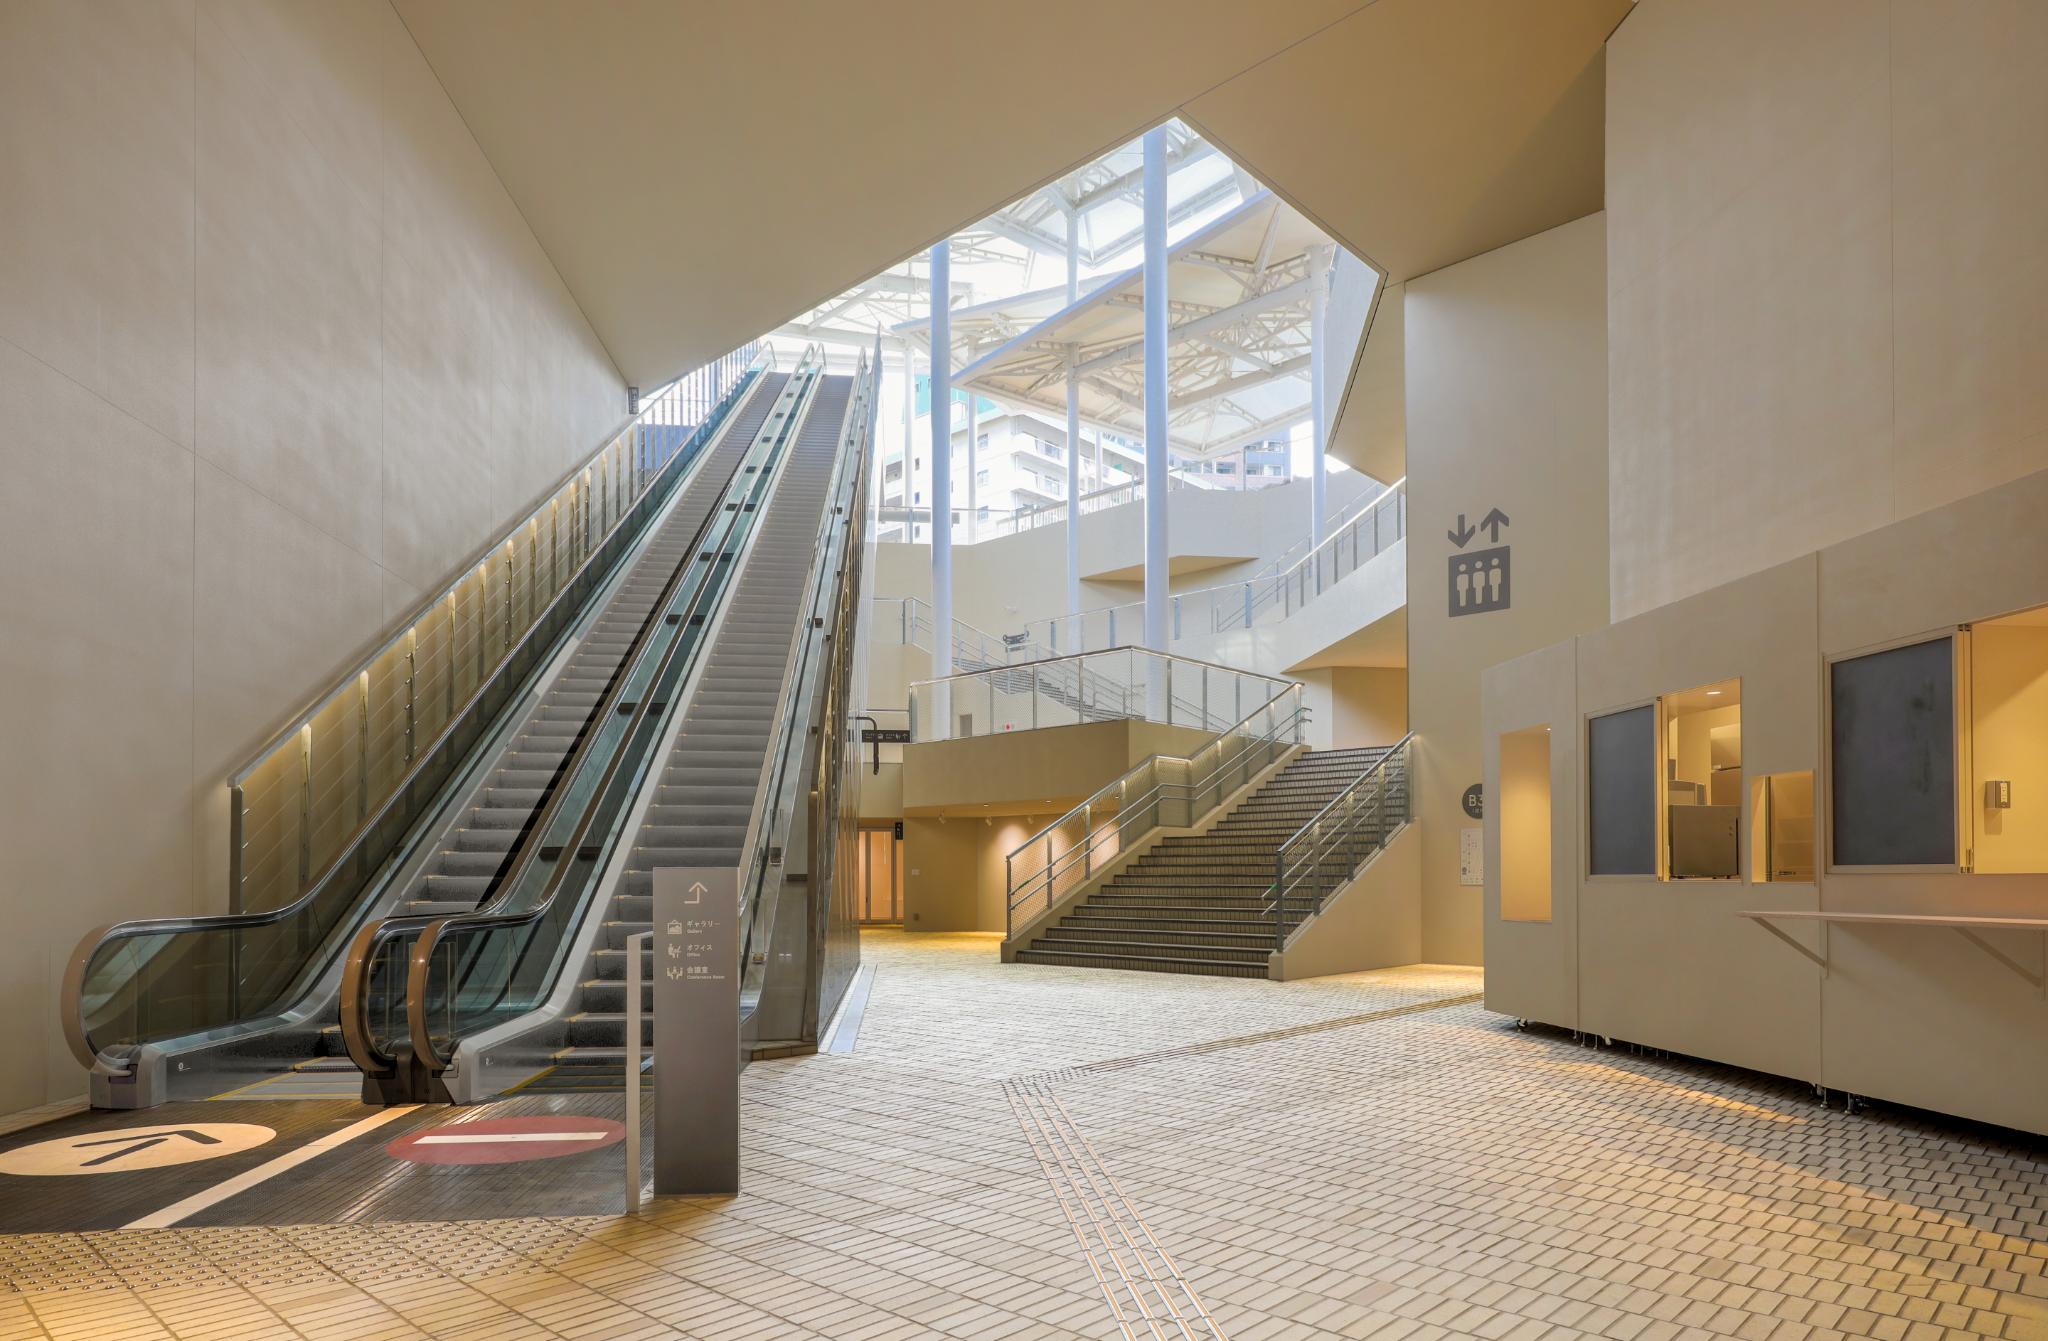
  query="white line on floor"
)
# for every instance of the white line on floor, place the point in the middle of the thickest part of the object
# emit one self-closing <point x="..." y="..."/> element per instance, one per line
<point x="248" y="1178"/>
<point x="492" y="1138"/>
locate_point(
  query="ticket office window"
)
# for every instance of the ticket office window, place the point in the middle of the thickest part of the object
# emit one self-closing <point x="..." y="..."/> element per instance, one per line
<point x="2006" y="750"/>
<point x="1893" y="758"/>
<point x="1701" y="782"/>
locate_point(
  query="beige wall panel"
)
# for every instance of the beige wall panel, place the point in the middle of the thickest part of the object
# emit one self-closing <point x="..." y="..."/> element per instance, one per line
<point x="1507" y="348"/>
<point x="954" y="871"/>
<point x="603" y="91"/>
<point x="1532" y="967"/>
<point x="1670" y="964"/>
<point x="1827" y="279"/>
<point x="1373" y="922"/>
<point x="276" y="603"/>
<point x="1983" y="556"/>
<point x="441" y="340"/>
<point x="1056" y="766"/>
<point x="95" y="694"/>
<point x="1970" y="187"/>
<point x="1912" y="1015"/>
<point x="1371" y="431"/>
<point x="290" y="376"/>
<point x="1420" y="132"/>
<point x="1918" y="1015"/>
<point x="96" y="270"/>
<point x="258" y="292"/>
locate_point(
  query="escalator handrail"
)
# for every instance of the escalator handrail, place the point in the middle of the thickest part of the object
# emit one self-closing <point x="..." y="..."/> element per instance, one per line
<point x="432" y="927"/>
<point x="72" y="991"/>
<point x="754" y="848"/>
<point x="373" y="936"/>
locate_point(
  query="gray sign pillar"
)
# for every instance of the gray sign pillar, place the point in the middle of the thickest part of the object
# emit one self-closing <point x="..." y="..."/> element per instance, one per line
<point x="696" y="1031"/>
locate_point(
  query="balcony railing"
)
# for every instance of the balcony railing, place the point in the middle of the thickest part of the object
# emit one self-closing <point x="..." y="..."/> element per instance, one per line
<point x="1128" y="683"/>
<point x="1354" y="541"/>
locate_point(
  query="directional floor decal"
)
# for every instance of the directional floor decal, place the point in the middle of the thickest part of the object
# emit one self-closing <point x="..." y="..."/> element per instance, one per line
<point x="130" y="1148"/>
<point x="506" y="1140"/>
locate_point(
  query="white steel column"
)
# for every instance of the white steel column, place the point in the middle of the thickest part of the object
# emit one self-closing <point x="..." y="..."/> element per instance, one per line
<point x="1073" y="499"/>
<point x="1155" y="389"/>
<point x="909" y="423"/>
<point x="1318" y="316"/>
<point x="942" y="475"/>
<point x="973" y="468"/>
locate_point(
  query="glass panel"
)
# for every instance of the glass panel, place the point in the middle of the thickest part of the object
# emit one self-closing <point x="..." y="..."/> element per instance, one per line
<point x="1892" y="761"/>
<point x="1621" y="792"/>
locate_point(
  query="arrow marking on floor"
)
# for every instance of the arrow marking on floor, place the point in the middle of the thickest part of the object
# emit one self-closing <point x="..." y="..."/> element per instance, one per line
<point x="136" y="1143"/>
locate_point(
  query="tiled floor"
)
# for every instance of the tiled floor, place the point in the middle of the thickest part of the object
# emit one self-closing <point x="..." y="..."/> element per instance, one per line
<point x="1015" y="1153"/>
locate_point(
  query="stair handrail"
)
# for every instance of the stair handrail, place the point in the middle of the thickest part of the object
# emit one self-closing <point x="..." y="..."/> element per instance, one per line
<point x="591" y="501"/>
<point x="428" y="929"/>
<point x="1330" y="829"/>
<point x="1208" y="777"/>
<point x="573" y="590"/>
<point x="1133" y="697"/>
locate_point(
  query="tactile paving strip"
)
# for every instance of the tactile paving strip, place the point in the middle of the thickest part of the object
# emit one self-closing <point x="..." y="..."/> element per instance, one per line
<point x="1148" y="1294"/>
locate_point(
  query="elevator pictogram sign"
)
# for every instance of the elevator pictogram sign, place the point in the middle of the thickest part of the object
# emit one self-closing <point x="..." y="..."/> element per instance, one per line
<point x="1480" y="580"/>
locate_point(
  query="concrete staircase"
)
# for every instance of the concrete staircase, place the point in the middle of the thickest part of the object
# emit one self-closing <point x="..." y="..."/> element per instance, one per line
<point x="1197" y="903"/>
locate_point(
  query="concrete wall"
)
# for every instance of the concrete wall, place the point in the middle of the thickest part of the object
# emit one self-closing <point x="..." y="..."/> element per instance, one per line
<point x="1351" y="706"/>
<point x="1912" y="1014"/>
<point x="1826" y="274"/>
<point x="1506" y="377"/>
<point x="276" y="354"/>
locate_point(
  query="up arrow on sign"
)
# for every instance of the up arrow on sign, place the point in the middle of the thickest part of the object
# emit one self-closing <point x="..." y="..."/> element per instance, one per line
<point x="1491" y="524"/>
<point x="697" y="892"/>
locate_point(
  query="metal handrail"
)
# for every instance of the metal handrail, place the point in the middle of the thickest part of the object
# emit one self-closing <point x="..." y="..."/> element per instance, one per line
<point x="93" y="943"/>
<point x="1305" y="851"/>
<point x="364" y="951"/>
<point x="1284" y="728"/>
<point x="654" y="412"/>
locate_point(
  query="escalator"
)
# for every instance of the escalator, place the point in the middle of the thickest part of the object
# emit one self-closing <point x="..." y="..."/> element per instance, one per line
<point x="718" y="742"/>
<point x="191" y="1007"/>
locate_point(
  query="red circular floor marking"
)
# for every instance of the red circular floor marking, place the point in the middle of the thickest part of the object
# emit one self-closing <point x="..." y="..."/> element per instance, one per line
<point x="506" y="1140"/>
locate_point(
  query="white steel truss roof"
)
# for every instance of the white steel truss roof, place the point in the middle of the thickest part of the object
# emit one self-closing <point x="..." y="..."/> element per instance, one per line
<point x="1238" y="337"/>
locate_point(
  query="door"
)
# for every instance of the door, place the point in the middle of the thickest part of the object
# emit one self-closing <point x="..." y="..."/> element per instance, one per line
<point x="881" y="877"/>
